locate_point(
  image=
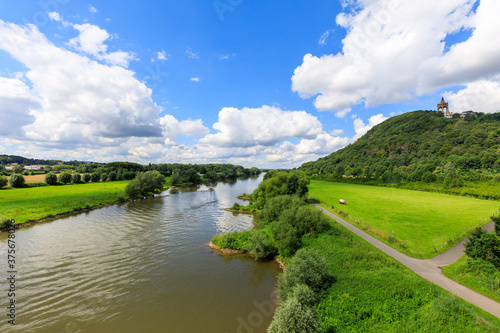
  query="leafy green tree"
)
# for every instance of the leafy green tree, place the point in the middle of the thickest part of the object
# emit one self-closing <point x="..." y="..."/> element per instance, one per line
<point x="276" y="206"/>
<point x="65" y="177"/>
<point x="16" y="180"/>
<point x="76" y="178"/>
<point x="144" y="183"/>
<point x="483" y="245"/>
<point x="294" y="317"/>
<point x="87" y="177"/>
<point x="95" y="177"/>
<point x="307" y="267"/>
<point x="280" y="183"/>
<point x="286" y="238"/>
<point x="3" y="181"/>
<point x="18" y="169"/>
<point x="51" y="178"/>
<point x="104" y="176"/>
<point x="175" y="179"/>
<point x="112" y="176"/>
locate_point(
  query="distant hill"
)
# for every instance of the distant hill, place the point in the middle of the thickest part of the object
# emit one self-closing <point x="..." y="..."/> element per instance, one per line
<point x="420" y="147"/>
<point x="7" y="159"/>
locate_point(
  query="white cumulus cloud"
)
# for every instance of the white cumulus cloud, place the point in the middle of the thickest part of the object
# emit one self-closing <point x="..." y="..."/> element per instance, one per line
<point x="16" y="104"/>
<point x="265" y="126"/>
<point x="76" y="102"/>
<point x="395" y="50"/>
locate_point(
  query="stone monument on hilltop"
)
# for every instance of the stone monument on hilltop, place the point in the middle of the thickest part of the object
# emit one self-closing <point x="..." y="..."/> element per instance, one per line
<point x="442" y="106"/>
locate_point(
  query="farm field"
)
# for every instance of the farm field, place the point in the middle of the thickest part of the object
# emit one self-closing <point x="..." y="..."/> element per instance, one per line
<point x="34" y="178"/>
<point x="30" y="204"/>
<point x="424" y="224"/>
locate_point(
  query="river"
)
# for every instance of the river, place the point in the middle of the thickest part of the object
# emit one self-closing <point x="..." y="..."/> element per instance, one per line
<point x="140" y="266"/>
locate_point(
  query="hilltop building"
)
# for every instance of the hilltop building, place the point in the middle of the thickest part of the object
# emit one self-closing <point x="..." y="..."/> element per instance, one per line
<point x="443" y="105"/>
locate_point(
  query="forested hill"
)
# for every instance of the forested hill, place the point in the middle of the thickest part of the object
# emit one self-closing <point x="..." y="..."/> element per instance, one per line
<point x="419" y="146"/>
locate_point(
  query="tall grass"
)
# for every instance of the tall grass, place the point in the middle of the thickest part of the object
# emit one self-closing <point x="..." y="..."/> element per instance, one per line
<point x="375" y="293"/>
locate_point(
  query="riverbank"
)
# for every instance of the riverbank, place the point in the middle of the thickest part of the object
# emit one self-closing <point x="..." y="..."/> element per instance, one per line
<point x="231" y="252"/>
<point x="239" y="211"/>
<point x="42" y="204"/>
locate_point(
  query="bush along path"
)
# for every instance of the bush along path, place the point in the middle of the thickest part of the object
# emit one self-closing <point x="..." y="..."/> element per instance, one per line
<point x="429" y="269"/>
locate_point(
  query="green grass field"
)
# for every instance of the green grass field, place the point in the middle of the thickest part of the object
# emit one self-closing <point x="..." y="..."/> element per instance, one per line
<point x="30" y="204"/>
<point x="375" y="293"/>
<point x="421" y="221"/>
<point x="484" y="280"/>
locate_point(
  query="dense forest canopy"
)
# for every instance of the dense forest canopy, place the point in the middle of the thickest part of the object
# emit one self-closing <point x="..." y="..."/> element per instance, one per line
<point x="419" y="146"/>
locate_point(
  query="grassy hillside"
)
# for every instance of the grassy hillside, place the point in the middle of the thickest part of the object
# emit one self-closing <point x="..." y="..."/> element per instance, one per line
<point x="421" y="221"/>
<point x="422" y="150"/>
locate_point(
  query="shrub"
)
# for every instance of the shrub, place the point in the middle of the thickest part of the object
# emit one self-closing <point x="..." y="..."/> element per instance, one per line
<point x="26" y="173"/>
<point x="236" y="206"/>
<point x="294" y="317"/>
<point x="95" y="177"/>
<point x="38" y="184"/>
<point x="3" y="181"/>
<point x="307" y="267"/>
<point x="76" y="178"/>
<point x="112" y="176"/>
<point x="86" y="177"/>
<point x="104" y="176"/>
<point x="496" y="220"/>
<point x="121" y="198"/>
<point x="260" y="244"/>
<point x="5" y="223"/>
<point x="51" y="178"/>
<point x="65" y="177"/>
<point x="16" y="180"/>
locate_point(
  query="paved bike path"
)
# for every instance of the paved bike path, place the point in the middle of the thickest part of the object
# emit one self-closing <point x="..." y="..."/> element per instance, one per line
<point x="429" y="269"/>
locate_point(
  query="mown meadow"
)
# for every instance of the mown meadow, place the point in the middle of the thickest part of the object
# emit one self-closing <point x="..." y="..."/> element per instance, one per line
<point x="420" y="224"/>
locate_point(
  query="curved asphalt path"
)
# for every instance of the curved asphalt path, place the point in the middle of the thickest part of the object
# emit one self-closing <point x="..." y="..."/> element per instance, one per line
<point x="429" y="269"/>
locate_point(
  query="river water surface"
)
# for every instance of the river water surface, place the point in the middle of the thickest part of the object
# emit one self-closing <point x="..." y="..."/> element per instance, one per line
<point x="140" y="266"/>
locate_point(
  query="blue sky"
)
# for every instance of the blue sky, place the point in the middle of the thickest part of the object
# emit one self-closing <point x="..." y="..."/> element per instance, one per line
<point x="257" y="83"/>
